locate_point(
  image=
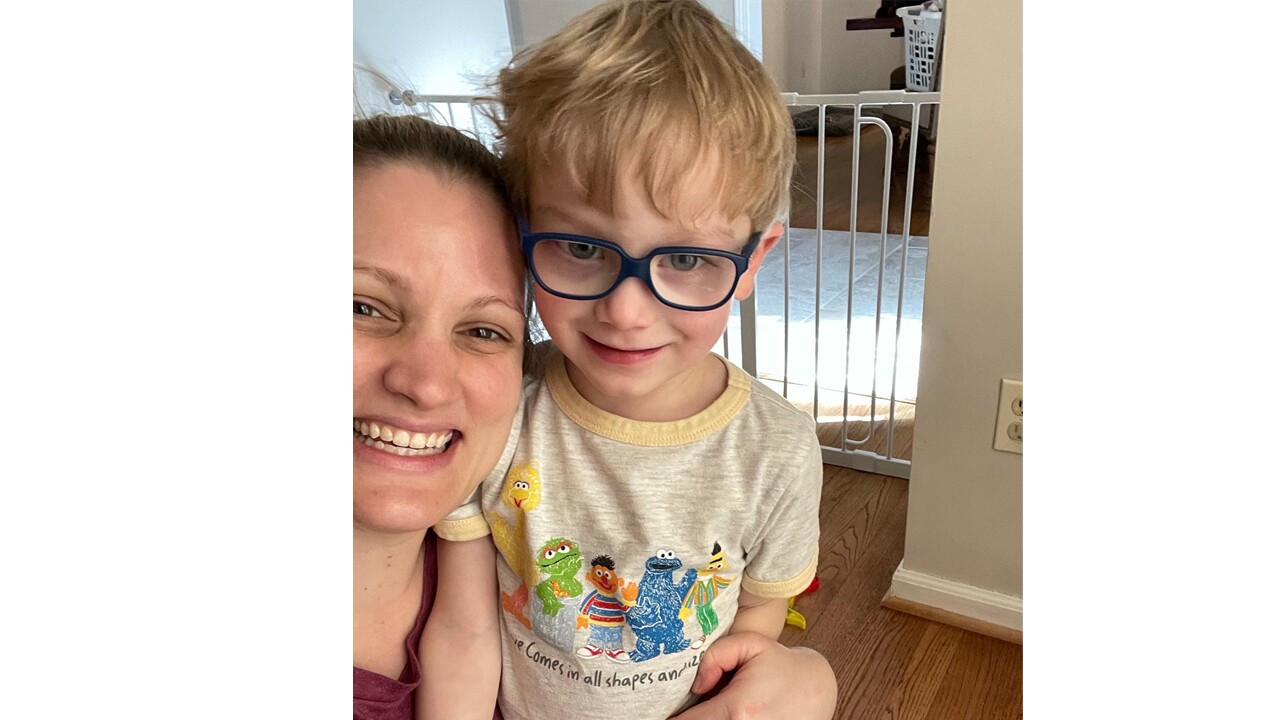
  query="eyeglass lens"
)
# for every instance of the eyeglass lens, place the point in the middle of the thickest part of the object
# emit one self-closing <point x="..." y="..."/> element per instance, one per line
<point x="576" y="268"/>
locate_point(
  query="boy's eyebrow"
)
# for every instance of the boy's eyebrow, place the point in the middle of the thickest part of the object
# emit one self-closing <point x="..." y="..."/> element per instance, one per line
<point x="390" y="277"/>
<point x="561" y="214"/>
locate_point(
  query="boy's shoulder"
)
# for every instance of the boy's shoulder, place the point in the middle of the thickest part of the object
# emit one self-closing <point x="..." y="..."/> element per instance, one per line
<point x="767" y="405"/>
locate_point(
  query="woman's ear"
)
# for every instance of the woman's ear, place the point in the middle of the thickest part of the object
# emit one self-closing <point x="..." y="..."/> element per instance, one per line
<point x="748" y="282"/>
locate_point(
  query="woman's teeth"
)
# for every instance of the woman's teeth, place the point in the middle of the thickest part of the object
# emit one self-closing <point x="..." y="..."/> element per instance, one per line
<point x="401" y="442"/>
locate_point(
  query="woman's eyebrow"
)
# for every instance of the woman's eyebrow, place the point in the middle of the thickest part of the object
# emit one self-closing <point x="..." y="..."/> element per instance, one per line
<point x="491" y="300"/>
<point x="390" y="277"/>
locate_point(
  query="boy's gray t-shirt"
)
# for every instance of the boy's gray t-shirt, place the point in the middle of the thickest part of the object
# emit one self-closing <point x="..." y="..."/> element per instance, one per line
<point x="623" y="545"/>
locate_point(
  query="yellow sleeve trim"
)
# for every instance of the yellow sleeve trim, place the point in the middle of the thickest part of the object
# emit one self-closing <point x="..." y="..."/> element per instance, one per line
<point x="782" y="588"/>
<point x="464" y="529"/>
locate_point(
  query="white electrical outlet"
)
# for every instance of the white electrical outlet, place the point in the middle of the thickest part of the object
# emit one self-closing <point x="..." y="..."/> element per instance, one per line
<point x="1009" y="417"/>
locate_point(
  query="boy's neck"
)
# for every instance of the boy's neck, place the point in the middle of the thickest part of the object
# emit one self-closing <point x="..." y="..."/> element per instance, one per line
<point x="679" y="398"/>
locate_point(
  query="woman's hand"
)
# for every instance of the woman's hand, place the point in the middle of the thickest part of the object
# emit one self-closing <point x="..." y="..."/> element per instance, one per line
<point x="770" y="680"/>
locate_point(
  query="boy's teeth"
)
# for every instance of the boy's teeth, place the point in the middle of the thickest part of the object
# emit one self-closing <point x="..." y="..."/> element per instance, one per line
<point x="374" y="430"/>
<point x="418" y="441"/>
<point x="387" y="434"/>
<point x="401" y="438"/>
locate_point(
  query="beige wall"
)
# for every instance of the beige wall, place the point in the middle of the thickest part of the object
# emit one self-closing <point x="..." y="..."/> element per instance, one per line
<point x="964" y="517"/>
<point x="853" y="61"/>
<point x="808" y="50"/>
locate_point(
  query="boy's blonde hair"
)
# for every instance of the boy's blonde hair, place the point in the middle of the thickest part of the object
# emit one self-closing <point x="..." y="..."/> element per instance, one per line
<point x="656" y="87"/>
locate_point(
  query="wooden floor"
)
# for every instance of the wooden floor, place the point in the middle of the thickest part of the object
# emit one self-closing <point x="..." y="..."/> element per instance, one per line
<point x="837" y="178"/>
<point x="889" y="664"/>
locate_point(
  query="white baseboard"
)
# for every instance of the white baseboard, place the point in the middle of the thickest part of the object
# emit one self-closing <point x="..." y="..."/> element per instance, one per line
<point x="977" y="603"/>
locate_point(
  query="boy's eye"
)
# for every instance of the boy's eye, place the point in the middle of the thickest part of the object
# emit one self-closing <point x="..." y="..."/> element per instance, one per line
<point x="582" y="251"/>
<point x="685" y="262"/>
<point x="364" y="308"/>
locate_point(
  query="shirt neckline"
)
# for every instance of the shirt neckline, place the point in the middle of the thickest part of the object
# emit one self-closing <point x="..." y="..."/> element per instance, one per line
<point x="651" y="434"/>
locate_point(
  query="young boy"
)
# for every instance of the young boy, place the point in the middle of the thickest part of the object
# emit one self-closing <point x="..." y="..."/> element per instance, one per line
<point x="659" y="497"/>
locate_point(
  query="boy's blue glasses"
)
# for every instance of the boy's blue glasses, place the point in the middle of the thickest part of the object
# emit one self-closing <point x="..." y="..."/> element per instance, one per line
<point x="578" y="267"/>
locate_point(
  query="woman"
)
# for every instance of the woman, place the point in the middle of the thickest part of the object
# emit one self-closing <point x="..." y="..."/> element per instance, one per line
<point x="438" y="344"/>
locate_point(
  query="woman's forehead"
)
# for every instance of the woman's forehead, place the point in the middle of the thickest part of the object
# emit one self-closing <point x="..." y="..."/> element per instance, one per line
<point x="419" y="227"/>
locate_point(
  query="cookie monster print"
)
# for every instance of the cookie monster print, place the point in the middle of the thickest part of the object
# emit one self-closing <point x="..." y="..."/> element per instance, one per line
<point x="655" y="619"/>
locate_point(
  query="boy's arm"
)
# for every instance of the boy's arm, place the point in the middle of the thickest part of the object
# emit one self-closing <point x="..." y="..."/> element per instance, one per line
<point x="460" y="651"/>
<point x="766" y="678"/>
<point x="766" y="616"/>
<point x="784" y="557"/>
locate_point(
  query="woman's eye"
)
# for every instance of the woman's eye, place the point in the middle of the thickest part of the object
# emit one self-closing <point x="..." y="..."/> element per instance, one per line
<point x="488" y="334"/>
<point x="582" y="251"/>
<point x="364" y="308"/>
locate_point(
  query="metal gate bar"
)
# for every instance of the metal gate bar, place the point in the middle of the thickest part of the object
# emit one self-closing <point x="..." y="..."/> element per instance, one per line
<point x="847" y="452"/>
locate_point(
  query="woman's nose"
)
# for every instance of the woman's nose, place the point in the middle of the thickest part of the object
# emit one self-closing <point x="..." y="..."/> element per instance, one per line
<point x="425" y="372"/>
<point x="630" y="306"/>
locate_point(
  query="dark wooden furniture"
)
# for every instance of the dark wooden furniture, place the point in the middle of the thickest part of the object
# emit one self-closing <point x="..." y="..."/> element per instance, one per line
<point x="886" y="18"/>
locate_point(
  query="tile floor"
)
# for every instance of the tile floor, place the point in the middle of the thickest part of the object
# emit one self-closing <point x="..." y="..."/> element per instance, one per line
<point x="826" y="313"/>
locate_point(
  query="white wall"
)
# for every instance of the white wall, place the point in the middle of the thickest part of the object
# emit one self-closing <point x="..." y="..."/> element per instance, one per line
<point x="442" y="47"/>
<point x="532" y="20"/>
<point x="429" y="46"/>
<point x="964" y="516"/>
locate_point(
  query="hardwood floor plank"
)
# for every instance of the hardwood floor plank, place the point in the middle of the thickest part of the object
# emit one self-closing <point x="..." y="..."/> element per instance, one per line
<point x="863" y="531"/>
<point x="838" y="181"/>
<point x="984" y="682"/>
<point x="913" y="697"/>
<point x="889" y="664"/>
<point x="880" y="655"/>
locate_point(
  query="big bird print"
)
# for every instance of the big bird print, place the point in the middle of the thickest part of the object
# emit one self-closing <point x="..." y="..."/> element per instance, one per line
<point x="522" y="492"/>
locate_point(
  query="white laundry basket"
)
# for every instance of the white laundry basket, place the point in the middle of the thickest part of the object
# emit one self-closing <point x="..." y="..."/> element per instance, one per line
<point x="922" y="31"/>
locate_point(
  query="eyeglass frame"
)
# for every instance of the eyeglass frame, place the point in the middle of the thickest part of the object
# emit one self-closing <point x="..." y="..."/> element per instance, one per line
<point x="637" y="267"/>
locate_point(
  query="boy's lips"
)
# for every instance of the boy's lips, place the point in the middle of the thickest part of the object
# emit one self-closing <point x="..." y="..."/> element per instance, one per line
<point x="620" y="356"/>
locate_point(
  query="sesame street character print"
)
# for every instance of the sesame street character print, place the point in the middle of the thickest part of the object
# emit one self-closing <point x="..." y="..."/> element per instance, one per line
<point x="522" y="492"/>
<point x="704" y="591"/>
<point x="603" y="611"/>
<point x="655" y="619"/>
<point x="561" y="560"/>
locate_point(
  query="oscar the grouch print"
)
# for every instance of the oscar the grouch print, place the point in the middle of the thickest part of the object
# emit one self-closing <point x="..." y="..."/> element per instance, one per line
<point x="704" y="591"/>
<point x="561" y="560"/>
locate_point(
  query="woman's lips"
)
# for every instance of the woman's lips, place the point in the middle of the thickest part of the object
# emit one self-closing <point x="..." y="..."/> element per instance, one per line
<point x="619" y="356"/>
<point x="393" y="455"/>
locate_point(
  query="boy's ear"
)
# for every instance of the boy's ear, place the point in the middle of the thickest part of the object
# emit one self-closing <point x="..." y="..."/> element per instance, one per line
<point x="748" y="282"/>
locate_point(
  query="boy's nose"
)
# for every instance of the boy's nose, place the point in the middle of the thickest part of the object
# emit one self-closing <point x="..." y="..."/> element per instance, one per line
<point x="630" y="306"/>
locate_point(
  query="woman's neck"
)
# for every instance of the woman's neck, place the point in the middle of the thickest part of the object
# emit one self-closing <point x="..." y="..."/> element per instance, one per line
<point x="387" y="585"/>
<point x="385" y="565"/>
